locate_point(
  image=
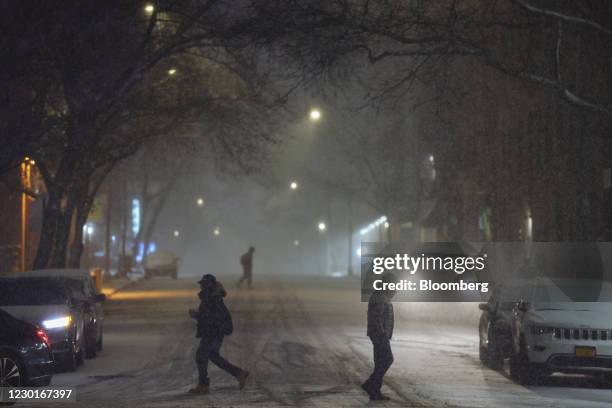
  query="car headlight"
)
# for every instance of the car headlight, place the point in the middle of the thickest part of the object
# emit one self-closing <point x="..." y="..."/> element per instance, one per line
<point x="63" y="321"/>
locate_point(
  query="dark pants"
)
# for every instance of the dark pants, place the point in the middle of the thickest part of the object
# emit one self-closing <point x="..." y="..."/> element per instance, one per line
<point x="383" y="358"/>
<point x="209" y="350"/>
<point x="246" y="276"/>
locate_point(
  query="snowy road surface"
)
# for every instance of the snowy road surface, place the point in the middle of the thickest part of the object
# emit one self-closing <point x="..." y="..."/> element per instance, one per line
<point x="305" y="345"/>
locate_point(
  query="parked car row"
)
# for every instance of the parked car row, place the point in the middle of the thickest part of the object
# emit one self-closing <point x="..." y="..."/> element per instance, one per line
<point x="50" y="320"/>
<point x="545" y="326"/>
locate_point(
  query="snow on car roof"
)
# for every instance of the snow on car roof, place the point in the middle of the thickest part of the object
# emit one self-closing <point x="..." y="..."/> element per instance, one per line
<point x="65" y="273"/>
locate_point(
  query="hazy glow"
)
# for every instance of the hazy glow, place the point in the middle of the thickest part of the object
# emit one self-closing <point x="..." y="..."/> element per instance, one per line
<point x="176" y="233"/>
<point x="379" y="221"/>
<point x="149" y="9"/>
<point x="200" y="201"/>
<point x="217" y="231"/>
<point x="322" y="226"/>
<point x="293" y="185"/>
<point x="315" y="115"/>
<point x="172" y="71"/>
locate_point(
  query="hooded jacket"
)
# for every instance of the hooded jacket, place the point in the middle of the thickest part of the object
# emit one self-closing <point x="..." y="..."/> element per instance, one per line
<point x="213" y="317"/>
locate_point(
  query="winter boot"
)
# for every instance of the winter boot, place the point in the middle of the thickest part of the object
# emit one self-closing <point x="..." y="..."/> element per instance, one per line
<point x="242" y="378"/>
<point x="200" y="389"/>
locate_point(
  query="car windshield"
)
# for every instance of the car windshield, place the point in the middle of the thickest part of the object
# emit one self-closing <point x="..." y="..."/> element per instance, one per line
<point x="31" y="292"/>
<point x="75" y="286"/>
<point x="572" y="290"/>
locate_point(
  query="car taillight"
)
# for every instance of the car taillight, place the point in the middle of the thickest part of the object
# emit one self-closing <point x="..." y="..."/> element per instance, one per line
<point x="42" y="335"/>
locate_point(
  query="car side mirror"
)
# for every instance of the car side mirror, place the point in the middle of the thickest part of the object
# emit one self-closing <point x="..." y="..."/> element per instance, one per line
<point x="485" y="307"/>
<point x="100" y="297"/>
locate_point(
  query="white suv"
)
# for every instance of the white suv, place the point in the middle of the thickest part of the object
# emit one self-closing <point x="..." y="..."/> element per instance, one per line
<point x="564" y="326"/>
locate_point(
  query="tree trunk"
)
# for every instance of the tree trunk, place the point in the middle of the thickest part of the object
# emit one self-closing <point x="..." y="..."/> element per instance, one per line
<point x="77" y="247"/>
<point x="159" y="206"/>
<point x="62" y="235"/>
<point x="51" y="214"/>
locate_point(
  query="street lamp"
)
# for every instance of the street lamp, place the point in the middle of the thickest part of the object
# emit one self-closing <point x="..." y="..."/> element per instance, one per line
<point x="172" y="71"/>
<point x="176" y="233"/>
<point x="296" y="243"/>
<point x="293" y="185"/>
<point x="217" y="231"/>
<point x="315" y="115"/>
<point x="322" y="226"/>
<point x="149" y="9"/>
<point x="200" y="202"/>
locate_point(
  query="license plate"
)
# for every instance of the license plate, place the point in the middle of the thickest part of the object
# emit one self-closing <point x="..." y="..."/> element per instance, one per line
<point x="585" y="352"/>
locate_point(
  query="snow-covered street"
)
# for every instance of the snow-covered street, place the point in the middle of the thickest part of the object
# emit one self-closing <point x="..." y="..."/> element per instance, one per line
<point x="304" y="342"/>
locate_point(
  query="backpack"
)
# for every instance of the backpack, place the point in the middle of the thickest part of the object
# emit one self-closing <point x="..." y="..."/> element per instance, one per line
<point x="227" y="325"/>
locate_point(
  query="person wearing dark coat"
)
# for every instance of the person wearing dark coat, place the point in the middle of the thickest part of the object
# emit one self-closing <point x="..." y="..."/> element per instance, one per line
<point x="246" y="260"/>
<point x="380" y="331"/>
<point x="213" y="323"/>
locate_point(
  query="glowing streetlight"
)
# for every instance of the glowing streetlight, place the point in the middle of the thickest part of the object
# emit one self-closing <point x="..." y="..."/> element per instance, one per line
<point x="200" y="202"/>
<point x="387" y="224"/>
<point x="172" y="71"/>
<point x="296" y="243"/>
<point x="322" y="226"/>
<point x="149" y="9"/>
<point x="293" y="185"/>
<point x="315" y="115"/>
<point x="176" y="233"/>
<point x="217" y="231"/>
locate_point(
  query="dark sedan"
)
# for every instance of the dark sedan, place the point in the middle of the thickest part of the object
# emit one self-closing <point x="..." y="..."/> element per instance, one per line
<point x="25" y="354"/>
<point x="48" y="304"/>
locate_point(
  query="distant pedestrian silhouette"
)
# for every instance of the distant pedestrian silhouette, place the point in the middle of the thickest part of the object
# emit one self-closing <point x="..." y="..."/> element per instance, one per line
<point x="246" y="260"/>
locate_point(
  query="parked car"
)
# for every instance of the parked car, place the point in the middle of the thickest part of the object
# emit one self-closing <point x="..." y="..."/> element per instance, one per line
<point x="25" y="354"/>
<point x="495" y="325"/>
<point x="566" y="326"/>
<point x="84" y="292"/>
<point x="50" y="305"/>
<point x="161" y="263"/>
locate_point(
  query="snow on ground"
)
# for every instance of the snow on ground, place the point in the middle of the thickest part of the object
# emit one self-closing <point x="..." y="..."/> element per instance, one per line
<point x="304" y="342"/>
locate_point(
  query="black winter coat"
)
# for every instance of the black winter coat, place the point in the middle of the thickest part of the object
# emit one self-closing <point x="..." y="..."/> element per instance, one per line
<point x="213" y="317"/>
<point x="380" y="317"/>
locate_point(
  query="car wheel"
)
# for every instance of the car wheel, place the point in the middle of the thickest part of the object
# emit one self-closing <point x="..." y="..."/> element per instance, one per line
<point x="69" y="363"/>
<point x="91" y="347"/>
<point x="79" y="356"/>
<point x="12" y="373"/>
<point x="491" y="356"/>
<point x="100" y="343"/>
<point x="521" y="370"/>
